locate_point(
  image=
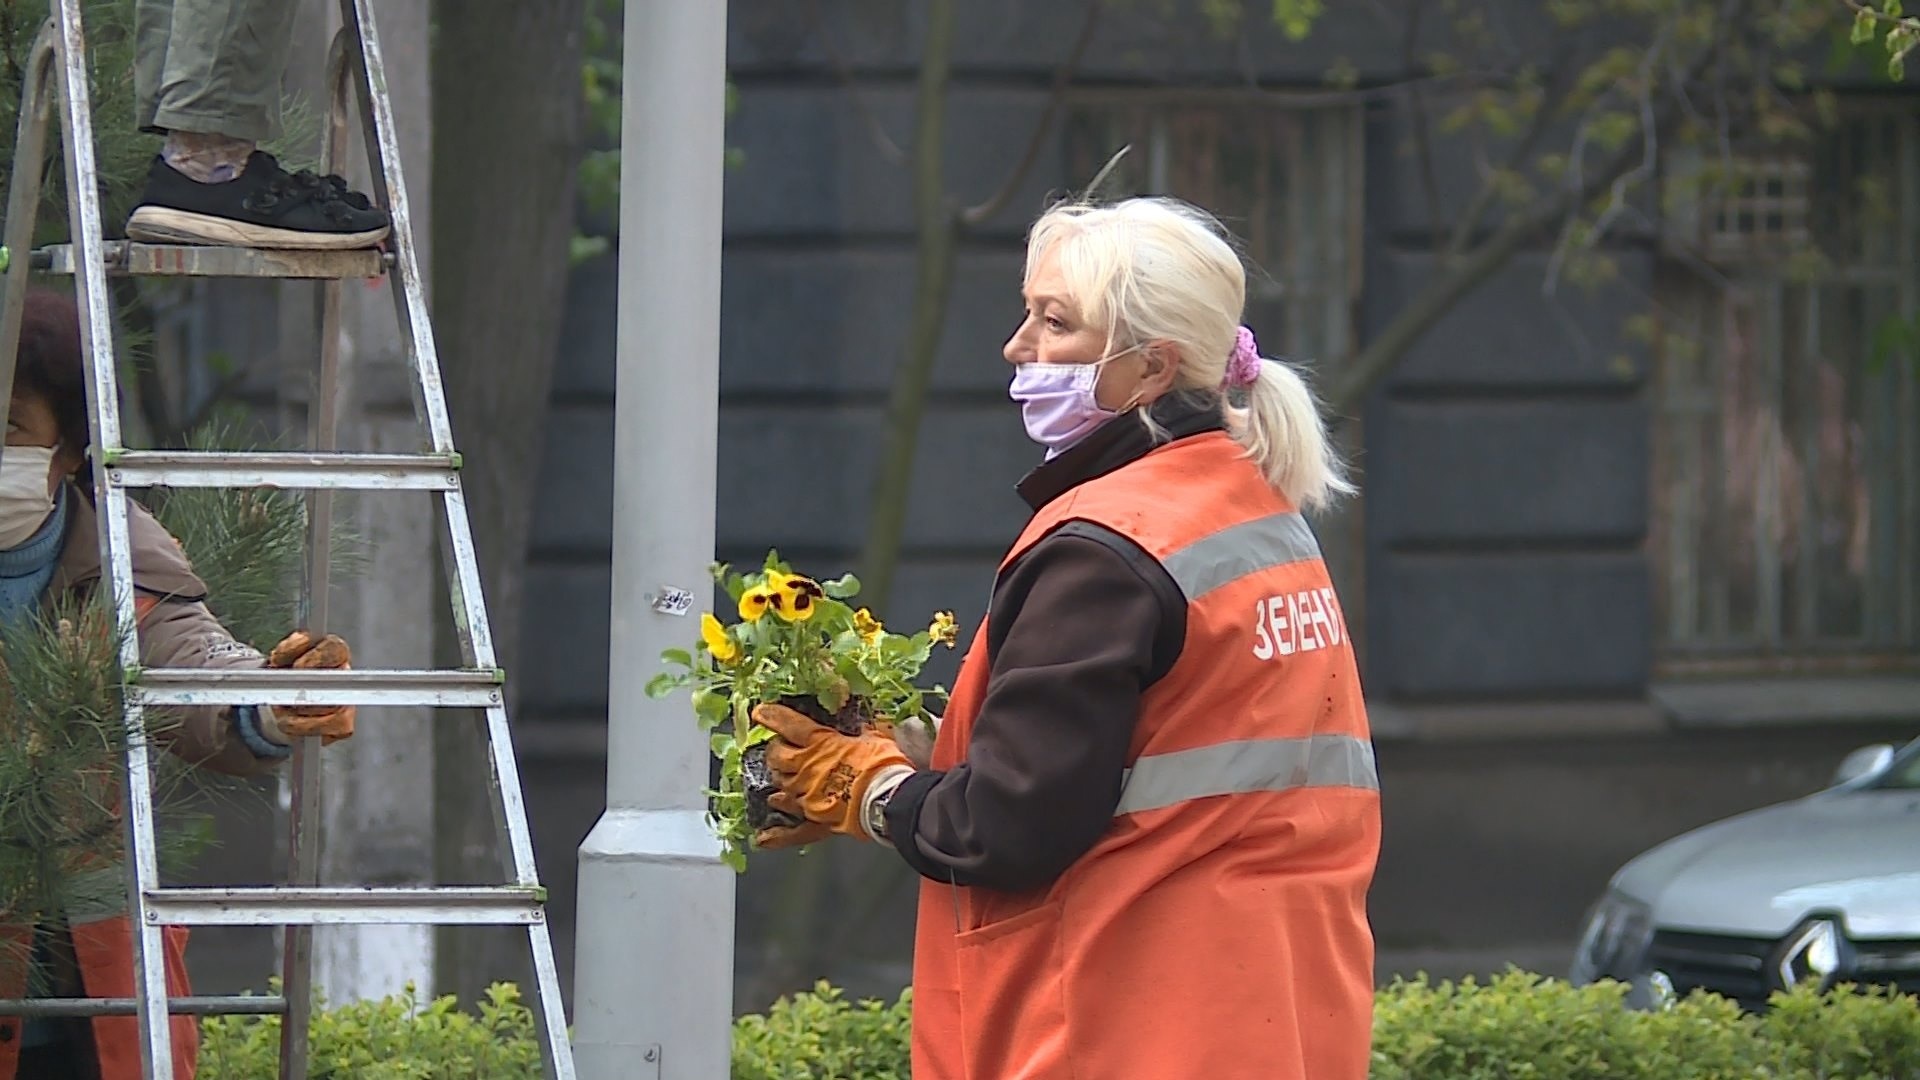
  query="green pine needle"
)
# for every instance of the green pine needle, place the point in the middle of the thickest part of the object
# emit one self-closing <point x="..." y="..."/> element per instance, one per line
<point x="62" y="729"/>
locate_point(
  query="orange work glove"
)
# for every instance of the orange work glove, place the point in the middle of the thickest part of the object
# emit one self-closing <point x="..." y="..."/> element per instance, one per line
<point x="823" y="775"/>
<point x="790" y="836"/>
<point x="301" y="650"/>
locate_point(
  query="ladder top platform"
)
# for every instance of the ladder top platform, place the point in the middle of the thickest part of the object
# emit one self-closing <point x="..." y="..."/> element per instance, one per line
<point x="128" y="258"/>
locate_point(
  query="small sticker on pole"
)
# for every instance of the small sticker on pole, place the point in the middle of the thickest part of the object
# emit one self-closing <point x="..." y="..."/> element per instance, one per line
<point x="673" y="601"/>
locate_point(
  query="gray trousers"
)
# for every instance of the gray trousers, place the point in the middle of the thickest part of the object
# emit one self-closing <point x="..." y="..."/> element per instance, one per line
<point x="211" y="66"/>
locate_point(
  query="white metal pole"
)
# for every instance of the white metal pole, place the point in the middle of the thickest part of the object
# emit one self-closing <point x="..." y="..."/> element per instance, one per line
<point x="653" y="978"/>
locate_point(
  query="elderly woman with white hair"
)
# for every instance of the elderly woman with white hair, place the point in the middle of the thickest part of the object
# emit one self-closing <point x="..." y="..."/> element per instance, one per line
<point x="1150" y="818"/>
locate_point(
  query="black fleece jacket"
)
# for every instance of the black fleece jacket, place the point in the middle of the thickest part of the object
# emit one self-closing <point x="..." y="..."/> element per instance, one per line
<point x="1079" y="627"/>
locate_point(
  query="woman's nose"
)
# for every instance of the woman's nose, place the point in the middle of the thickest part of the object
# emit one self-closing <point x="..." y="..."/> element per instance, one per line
<point x="1017" y="349"/>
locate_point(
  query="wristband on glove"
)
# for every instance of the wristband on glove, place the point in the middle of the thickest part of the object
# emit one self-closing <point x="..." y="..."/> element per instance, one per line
<point x="873" y="807"/>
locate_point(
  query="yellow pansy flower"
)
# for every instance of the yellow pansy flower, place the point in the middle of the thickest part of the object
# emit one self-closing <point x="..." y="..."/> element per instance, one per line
<point x="867" y="626"/>
<point x="755" y="602"/>
<point x="794" y="596"/>
<point x="944" y="629"/>
<point x="719" y="642"/>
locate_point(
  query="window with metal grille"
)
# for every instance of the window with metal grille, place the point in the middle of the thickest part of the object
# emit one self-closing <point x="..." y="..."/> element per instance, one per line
<point x="1786" y="494"/>
<point x="1287" y="179"/>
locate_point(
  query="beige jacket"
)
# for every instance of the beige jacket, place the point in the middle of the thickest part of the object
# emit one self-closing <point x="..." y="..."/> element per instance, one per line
<point x="175" y="629"/>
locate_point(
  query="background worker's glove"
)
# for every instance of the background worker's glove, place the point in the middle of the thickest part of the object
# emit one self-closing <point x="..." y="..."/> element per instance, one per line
<point x="824" y="774"/>
<point x="302" y="651"/>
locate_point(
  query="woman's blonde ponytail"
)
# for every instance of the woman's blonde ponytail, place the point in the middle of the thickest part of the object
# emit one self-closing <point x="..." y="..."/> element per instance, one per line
<point x="1282" y="431"/>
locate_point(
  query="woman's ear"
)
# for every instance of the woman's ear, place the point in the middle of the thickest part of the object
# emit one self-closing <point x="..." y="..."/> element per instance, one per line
<point x="66" y="462"/>
<point x="1162" y="364"/>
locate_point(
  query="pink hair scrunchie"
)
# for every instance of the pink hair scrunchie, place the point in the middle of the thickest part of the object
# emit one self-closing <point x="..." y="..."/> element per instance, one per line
<point x="1243" y="366"/>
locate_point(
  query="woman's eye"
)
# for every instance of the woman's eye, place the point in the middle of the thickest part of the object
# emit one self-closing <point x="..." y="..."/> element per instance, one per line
<point x="1056" y="325"/>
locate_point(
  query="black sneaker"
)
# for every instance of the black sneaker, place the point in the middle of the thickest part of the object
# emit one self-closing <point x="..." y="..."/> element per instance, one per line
<point x="263" y="207"/>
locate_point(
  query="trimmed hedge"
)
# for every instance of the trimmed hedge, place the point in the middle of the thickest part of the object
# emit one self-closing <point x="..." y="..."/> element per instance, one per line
<point x="397" y="1038"/>
<point x="1518" y="1025"/>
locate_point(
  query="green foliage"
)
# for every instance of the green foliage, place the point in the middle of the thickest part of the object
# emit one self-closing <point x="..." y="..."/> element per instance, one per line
<point x="1297" y="17"/>
<point x="1897" y="338"/>
<point x="62" y="728"/>
<point x="821" y="1034"/>
<point x="396" y="1038"/>
<point x="1871" y="1036"/>
<point x="1890" y="25"/>
<point x="123" y="152"/>
<point x="247" y="544"/>
<point x="61" y="734"/>
<point x="1517" y="1025"/>
<point x="1555" y="1032"/>
<point x="598" y="179"/>
<point x="796" y="638"/>
<point x="1524" y="1025"/>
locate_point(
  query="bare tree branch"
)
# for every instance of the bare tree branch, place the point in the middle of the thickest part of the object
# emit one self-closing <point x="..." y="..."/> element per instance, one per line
<point x="843" y="71"/>
<point x="1623" y="184"/>
<point x="938" y="227"/>
<point x="1417" y="105"/>
<point x="1469" y="221"/>
<point x="1366" y="95"/>
<point x="1062" y="79"/>
<point x="1370" y="365"/>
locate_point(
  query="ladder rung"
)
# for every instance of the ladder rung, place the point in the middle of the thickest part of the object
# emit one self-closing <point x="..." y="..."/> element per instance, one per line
<point x="215" y="1005"/>
<point x="281" y="906"/>
<point x="225" y="469"/>
<point x="126" y="257"/>
<point x="281" y="686"/>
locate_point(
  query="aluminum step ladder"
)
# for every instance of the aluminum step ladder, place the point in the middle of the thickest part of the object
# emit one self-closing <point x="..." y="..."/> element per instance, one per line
<point x="57" y="72"/>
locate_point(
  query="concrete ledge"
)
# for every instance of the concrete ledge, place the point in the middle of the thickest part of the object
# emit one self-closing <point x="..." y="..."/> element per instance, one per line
<point x="1780" y="702"/>
<point x="1395" y="722"/>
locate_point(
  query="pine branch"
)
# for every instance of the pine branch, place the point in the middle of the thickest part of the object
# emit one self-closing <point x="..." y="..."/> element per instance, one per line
<point x="63" y="736"/>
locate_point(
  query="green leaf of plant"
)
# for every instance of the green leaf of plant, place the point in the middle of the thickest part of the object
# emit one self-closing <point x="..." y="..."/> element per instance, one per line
<point x="661" y="685"/>
<point x="1865" y="27"/>
<point x="1893" y="338"/>
<point x="677" y="656"/>
<point x="710" y="706"/>
<point x="843" y="587"/>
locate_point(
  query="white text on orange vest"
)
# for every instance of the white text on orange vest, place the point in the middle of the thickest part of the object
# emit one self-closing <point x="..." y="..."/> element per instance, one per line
<point x="1297" y="622"/>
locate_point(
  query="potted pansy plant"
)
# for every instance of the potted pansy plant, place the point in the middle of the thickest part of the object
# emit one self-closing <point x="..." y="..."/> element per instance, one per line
<point x="800" y="643"/>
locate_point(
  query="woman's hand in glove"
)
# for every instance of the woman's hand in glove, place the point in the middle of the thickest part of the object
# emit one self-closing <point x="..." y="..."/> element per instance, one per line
<point x="823" y="774"/>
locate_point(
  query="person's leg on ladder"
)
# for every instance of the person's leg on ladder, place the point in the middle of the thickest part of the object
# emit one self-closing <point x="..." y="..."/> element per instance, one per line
<point x="207" y="75"/>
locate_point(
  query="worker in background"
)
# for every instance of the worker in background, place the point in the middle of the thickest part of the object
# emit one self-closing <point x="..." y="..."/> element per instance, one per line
<point x="49" y="549"/>
<point x="207" y="76"/>
<point x="1150" y="817"/>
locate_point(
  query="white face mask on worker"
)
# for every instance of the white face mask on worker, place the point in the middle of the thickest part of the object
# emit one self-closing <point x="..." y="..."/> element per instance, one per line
<point x="24" y="499"/>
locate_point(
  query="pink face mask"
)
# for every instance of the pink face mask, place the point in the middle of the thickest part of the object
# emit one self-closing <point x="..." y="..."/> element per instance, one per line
<point x="1057" y="401"/>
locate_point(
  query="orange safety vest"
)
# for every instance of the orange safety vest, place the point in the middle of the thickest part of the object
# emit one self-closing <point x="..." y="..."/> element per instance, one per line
<point x="103" y="951"/>
<point x="1218" y="929"/>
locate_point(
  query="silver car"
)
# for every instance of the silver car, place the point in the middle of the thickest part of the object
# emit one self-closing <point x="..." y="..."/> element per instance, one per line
<point x="1821" y="890"/>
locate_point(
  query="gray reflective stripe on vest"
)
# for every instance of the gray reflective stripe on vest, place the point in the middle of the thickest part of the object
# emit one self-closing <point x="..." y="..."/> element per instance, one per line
<point x="1210" y="562"/>
<point x="1159" y="780"/>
